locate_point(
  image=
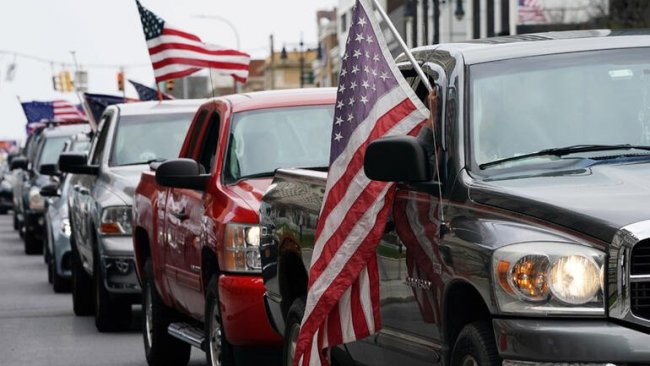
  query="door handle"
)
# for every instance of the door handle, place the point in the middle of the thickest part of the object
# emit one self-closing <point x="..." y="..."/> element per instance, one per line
<point x="181" y="215"/>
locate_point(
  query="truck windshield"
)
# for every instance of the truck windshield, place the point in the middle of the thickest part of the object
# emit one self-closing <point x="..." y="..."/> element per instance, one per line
<point x="262" y="141"/>
<point x="52" y="148"/>
<point x="147" y="138"/>
<point x="524" y="110"/>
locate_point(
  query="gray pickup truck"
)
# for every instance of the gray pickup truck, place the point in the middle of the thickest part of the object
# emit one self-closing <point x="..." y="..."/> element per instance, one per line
<point x="536" y="248"/>
<point x="129" y="138"/>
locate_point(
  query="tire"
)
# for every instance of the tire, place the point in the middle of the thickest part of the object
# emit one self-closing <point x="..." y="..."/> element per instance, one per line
<point x="159" y="347"/>
<point x="294" y="317"/>
<point x="219" y="351"/>
<point x="111" y="314"/>
<point x="3" y="211"/>
<point x="81" y="288"/>
<point x="59" y="284"/>
<point x="50" y="271"/>
<point x="16" y="223"/>
<point x="32" y="244"/>
<point x="476" y="346"/>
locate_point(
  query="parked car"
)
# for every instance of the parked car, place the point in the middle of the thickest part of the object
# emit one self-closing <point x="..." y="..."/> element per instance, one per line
<point x="57" y="249"/>
<point x="196" y="222"/>
<point x="7" y="181"/>
<point x="537" y="248"/>
<point x="49" y="145"/>
<point x="129" y="137"/>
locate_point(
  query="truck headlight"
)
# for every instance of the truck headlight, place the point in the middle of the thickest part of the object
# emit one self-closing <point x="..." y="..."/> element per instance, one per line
<point x="549" y="278"/>
<point x="241" y="248"/>
<point x="36" y="201"/>
<point x="66" y="230"/>
<point x="116" y="221"/>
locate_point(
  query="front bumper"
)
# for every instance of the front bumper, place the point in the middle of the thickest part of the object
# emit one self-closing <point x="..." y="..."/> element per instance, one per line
<point x="570" y="341"/>
<point x="242" y="311"/>
<point x="118" y="265"/>
<point x="6" y="199"/>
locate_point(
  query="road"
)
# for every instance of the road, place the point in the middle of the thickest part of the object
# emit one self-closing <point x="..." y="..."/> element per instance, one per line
<point x="38" y="327"/>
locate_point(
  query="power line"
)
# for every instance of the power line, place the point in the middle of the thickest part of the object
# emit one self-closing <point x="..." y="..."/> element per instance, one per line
<point x="71" y="64"/>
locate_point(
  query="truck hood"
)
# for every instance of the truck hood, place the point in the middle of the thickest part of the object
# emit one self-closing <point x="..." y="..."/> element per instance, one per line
<point x="250" y="192"/>
<point x="596" y="201"/>
<point x="122" y="181"/>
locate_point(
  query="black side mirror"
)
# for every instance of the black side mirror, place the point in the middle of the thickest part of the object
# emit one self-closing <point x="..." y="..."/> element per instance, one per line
<point x="50" y="190"/>
<point x="19" y="162"/>
<point x="397" y="159"/>
<point x="76" y="163"/>
<point x="49" y="169"/>
<point x="182" y="173"/>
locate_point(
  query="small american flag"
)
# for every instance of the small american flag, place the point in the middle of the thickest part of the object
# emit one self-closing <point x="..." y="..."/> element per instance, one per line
<point x="57" y="111"/>
<point x="373" y="101"/>
<point x="146" y="93"/>
<point x="530" y="12"/>
<point x="175" y="53"/>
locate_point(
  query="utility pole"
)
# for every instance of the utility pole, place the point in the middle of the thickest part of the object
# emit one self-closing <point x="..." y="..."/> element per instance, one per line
<point x="272" y="64"/>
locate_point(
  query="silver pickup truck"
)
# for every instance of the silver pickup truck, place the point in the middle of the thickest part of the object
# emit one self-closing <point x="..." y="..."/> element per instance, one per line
<point x="536" y="248"/>
<point x="129" y="138"/>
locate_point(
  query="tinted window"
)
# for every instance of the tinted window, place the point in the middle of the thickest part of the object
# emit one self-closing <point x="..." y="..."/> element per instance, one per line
<point x="264" y="140"/>
<point x="209" y="146"/>
<point x="196" y="132"/>
<point x="147" y="138"/>
<point x="100" y="142"/>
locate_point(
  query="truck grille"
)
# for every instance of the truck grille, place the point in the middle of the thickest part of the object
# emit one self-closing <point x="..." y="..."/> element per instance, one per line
<point x="640" y="280"/>
<point x="641" y="259"/>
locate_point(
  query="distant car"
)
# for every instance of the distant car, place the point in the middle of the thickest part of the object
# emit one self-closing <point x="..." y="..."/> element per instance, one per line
<point x="32" y="206"/>
<point x="18" y="166"/>
<point x="6" y="188"/>
<point x="57" y="252"/>
<point x="129" y="138"/>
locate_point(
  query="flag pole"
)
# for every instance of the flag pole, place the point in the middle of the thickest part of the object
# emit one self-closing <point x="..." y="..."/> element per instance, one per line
<point x="160" y="96"/>
<point x="405" y="48"/>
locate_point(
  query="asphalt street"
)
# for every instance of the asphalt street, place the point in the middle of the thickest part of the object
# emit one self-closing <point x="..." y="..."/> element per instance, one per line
<point x="38" y="327"/>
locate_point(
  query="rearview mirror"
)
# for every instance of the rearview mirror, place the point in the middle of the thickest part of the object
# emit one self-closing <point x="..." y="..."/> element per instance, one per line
<point x="182" y="173"/>
<point x="76" y="163"/>
<point x="50" y="190"/>
<point x="48" y="169"/>
<point x="19" y="162"/>
<point x="397" y="159"/>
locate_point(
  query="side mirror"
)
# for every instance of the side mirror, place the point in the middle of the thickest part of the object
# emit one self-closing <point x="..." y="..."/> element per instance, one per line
<point x="182" y="173"/>
<point x="50" y="190"/>
<point x="76" y="163"/>
<point x="19" y="162"/>
<point x="397" y="159"/>
<point x="49" y="169"/>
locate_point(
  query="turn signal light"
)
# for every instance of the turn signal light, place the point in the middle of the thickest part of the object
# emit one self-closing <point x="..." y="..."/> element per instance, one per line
<point x="110" y="228"/>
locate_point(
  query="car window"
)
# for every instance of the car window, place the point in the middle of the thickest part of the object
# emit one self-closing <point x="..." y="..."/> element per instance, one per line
<point x="210" y="142"/>
<point x="263" y="140"/>
<point x="146" y="138"/>
<point x="100" y="141"/>
<point x="196" y="132"/>
<point x="52" y="148"/>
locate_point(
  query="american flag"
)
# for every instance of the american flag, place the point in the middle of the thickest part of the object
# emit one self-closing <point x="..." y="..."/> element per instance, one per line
<point x="373" y="101"/>
<point x="146" y="93"/>
<point x="57" y="111"/>
<point x="175" y="53"/>
<point x="530" y="12"/>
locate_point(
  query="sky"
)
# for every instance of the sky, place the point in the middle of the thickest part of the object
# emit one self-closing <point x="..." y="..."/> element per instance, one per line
<point x="108" y="32"/>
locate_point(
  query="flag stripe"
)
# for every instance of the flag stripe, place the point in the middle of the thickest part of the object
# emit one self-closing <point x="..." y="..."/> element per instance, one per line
<point x="199" y="63"/>
<point x="188" y="49"/>
<point x="169" y="31"/>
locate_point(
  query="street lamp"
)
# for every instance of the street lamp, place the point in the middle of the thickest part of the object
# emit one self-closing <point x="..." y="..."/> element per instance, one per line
<point x="302" y="63"/>
<point x="234" y="30"/>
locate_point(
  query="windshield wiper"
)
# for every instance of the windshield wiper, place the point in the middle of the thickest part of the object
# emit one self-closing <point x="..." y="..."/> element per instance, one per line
<point x="561" y="151"/>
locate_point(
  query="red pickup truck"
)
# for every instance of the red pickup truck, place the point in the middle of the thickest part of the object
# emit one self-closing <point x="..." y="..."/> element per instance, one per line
<point x="196" y="233"/>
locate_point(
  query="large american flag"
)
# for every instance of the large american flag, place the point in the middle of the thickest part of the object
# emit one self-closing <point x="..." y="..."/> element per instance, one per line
<point x="373" y="101"/>
<point x="530" y="12"/>
<point x="57" y="111"/>
<point x="175" y="53"/>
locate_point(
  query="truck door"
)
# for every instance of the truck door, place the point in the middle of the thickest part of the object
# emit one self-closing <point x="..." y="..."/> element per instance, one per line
<point x="180" y="229"/>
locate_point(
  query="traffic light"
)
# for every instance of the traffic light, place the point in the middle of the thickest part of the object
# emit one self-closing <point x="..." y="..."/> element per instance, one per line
<point x="169" y="85"/>
<point x="120" y="81"/>
<point x="66" y="82"/>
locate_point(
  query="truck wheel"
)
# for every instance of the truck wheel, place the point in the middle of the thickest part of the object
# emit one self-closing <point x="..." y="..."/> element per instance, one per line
<point x="81" y="288"/>
<point x="49" y="270"/>
<point x="292" y="329"/>
<point x="219" y="351"/>
<point x="476" y="346"/>
<point x="32" y="244"/>
<point x="110" y="314"/>
<point x="159" y="347"/>
<point x="16" y="223"/>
